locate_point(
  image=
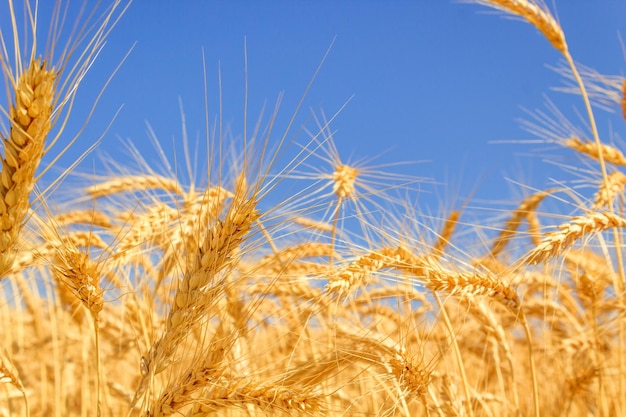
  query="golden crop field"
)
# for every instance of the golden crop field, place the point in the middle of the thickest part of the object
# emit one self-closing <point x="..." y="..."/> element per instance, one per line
<point x="148" y="295"/>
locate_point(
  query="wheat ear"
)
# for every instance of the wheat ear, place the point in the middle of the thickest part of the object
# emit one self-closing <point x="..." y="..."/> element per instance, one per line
<point x="30" y="124"/>
<point x="535" y="13"/>
<point x="525" y="209"/>
<point x="555" y="242"/>
<point x="80" y="275"/>
<point x="134" y="183"/>
<point x="199" y="289"/>
<point x="609" y="190"/>
<point x="446" y="233"/>
<point x="609" y="153"/>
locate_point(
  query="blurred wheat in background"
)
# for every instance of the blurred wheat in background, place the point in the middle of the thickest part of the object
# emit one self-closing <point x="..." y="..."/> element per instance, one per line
<point x="146" y="295"/>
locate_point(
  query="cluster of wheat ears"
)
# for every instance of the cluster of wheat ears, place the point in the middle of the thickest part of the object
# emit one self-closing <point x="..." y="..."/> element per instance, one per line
<point x="146" y="296"/>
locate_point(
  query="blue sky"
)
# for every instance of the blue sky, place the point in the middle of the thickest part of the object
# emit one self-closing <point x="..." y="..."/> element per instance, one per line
<point x="432" y="81"/>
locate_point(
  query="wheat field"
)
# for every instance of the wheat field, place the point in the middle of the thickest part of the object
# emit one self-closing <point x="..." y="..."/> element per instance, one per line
<point x="149" y="295"/>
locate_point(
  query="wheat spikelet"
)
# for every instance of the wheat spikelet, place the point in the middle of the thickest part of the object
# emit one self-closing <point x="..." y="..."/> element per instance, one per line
<point x="199" y="290"/>
<point x="313" y="224"/>
<point x="89" y="217"/>
<point x="8" y="373"/>
<point x="344" y="178"/>
<point x="609" y="190"/>
<point x="30" y="124"/>
<point x="537" y="14"/>
<point x="446" y="232"/>
<point x="78" y="273"/>
<point x="358" y="273"/>
<point x="408" y="369"/>
<point x="609" y="153"/>
<point x="596" y="276"/>
<point x="222" y="392"/>
<point x="471" y="284"/>
<point x="285" y="258"/>
<point x="555" y="242"/>
<point x="411" y="374"/>
<point x="526" y="207"/>
<point x="215" y="254"/>
<point x="134" y="183"/>
<point x="184" y="235"/>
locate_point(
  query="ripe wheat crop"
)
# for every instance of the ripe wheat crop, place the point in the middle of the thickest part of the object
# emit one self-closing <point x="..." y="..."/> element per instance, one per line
<point x="152" y="295"/>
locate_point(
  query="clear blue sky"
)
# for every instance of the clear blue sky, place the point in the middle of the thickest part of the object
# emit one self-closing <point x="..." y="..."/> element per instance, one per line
<point x="432" y="80"/>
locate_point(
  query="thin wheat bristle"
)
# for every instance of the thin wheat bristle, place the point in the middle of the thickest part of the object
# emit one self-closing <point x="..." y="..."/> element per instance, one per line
<point x="30" y="123"/>
<point x="609" y="153"/>
<point x="624" y="99"/>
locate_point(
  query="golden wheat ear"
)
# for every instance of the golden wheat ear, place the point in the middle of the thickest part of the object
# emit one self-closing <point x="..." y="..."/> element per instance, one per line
<point x="30" y="124"/>
<point x="537" y="14"/>
<point x="41" y="88"/>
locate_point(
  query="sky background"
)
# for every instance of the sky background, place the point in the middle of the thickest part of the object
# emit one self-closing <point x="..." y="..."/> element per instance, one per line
<point x="432" y="81"/>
